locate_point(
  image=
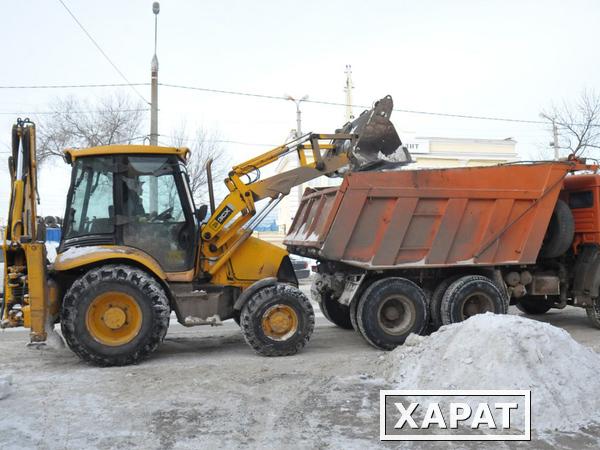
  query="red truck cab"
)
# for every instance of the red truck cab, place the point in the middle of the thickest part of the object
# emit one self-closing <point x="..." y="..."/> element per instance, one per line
<point x="582" y="194"/>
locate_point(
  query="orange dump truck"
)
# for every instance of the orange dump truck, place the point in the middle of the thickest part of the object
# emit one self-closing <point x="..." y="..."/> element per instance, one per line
<point x="406" y="251"/>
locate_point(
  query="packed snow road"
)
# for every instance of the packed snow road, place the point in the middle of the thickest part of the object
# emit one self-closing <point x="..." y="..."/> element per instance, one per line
<point x="205" y="388"/>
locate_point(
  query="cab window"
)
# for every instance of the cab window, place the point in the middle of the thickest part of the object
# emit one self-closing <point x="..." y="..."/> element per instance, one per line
<point x="91" y="209"/>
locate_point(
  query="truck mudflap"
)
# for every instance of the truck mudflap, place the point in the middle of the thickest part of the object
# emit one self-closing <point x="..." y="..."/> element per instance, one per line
<point x="586" y="284"/>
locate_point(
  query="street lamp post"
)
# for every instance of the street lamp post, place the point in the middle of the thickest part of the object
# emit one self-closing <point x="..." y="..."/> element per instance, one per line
<point x="298" y="134"/>
<point x="298" y="113"/>
<point x="153" y="184"/>
<point x="154" y="82"/>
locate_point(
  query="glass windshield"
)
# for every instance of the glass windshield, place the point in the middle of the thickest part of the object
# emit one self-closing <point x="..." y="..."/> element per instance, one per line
<point x="153" y="217"/>
<point x="91" y="210"/>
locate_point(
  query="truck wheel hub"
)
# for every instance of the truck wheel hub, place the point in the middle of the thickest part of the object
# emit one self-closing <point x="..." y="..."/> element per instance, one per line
<point x="477" y="304"/>
<point x="279" y="322"/>
<point x="396" y="315"/>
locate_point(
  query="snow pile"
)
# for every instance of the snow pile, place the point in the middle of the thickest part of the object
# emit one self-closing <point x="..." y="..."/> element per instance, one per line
<point x="491" y="351"/>
<point x="5" y="386"/>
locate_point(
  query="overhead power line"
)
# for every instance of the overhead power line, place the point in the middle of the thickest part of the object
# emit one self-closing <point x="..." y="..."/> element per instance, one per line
<point x="322" y="102"/>
<point x="280" y="97"/>
<point x="70" y="86"/>
<point x="102" y="51"/>
<point x="91" y="111"/>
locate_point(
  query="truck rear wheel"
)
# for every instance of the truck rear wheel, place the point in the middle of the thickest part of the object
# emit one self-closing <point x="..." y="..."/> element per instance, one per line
<point x="471" y="295"/>
<point x="389" y="310"/>
<point x="435" y="304"/>
<point x="335" y="312"/>
<point x="534" y="305"/>
<point x="114" y="315"/>
<point x="277" y="320"/>
<point x="593" y="313"/>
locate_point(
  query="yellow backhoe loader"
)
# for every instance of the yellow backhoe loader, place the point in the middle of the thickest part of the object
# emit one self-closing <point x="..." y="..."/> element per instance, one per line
<point x="134" y="246"/>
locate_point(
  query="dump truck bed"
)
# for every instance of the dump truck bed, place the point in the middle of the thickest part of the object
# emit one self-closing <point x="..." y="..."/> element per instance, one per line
<point x="470" y="216"/>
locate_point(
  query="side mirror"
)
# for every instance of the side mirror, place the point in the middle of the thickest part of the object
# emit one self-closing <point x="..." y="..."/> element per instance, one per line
<point x="201" y="212"/>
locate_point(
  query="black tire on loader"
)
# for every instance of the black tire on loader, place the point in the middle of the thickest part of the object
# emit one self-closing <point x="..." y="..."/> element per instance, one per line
<point x="389" y="310"/>
<point x="534" y="305"/>
<point x="278" y="320"/>
<point x="114" y="315"/>
<point x="470" y="295"/>
<point x="560" y="232"/>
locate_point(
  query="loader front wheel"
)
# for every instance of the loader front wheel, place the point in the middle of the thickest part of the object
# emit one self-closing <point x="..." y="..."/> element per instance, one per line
<point x="114" y="315"/>
<point x="277" y="320"/>
<point x="389" y="310"/>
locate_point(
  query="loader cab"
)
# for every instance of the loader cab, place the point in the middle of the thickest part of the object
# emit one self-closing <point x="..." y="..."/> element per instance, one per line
<point x="139" y="200"/>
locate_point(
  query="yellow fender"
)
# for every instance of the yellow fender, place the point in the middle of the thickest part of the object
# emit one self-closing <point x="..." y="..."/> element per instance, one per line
<point x="75" y="257"/>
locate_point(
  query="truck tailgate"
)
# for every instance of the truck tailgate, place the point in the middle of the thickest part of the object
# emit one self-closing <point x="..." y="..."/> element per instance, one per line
<point x="440" y="217"/>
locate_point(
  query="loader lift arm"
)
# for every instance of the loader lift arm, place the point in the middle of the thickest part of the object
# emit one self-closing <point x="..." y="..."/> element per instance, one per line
<point x="359" y="144"/>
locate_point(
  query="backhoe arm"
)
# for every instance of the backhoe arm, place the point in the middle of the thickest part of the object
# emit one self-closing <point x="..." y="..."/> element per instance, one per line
<point x="25" y="280"/>
<point x="358" y="145"/>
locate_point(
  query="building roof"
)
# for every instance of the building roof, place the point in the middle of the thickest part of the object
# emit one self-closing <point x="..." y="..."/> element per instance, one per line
<point x="506" y="141"/>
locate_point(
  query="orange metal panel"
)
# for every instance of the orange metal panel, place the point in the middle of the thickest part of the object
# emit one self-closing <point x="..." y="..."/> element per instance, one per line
<point x="437" y="218"/>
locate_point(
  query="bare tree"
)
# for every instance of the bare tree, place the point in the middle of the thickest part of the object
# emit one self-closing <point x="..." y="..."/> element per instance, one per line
<point x="204" y="145"/>
<point x="81" y="123"/>
<point x="578" y="124"/>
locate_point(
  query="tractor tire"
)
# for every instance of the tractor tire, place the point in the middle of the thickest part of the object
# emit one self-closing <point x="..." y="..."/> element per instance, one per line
<point x="277" y="320"/>
<point x="470" y="295"/>
<point x="593" y="313"/>
<point x="534" y="305"/>
<point x="114" y="315"/>
<point x="389" y="310"/>
<point x="560" y="232"/>
<point x="435" y="303"/>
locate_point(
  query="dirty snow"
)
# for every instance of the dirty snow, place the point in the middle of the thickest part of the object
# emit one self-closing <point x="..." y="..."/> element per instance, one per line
<point x="506" y="352"/>
<point x="5" y="386"/>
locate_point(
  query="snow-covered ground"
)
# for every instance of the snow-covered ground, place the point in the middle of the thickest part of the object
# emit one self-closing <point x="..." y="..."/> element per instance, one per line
<point x="205" y="388"/>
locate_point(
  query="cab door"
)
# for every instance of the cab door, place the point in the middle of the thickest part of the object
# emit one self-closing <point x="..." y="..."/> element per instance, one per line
<point x="154" y="210"/>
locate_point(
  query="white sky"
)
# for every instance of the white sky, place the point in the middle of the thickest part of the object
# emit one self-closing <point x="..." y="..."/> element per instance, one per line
<point x="503" y="58"/>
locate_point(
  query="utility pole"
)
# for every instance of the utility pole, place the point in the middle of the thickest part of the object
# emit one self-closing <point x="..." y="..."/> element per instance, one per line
<point x="153" y="184"/>
<point x="348" y="89"/>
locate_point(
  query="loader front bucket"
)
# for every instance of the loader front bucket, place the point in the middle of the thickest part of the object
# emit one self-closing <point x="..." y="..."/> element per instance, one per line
<point x="378" y="145"/>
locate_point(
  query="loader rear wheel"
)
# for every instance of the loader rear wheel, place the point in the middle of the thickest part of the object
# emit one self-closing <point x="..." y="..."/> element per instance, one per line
<point x="114" y="315"/>
<point x="471" y="295"/>
<point x="389" y="310"/>
<point x="277" y="320"/>
<point x="534" y="305"/>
